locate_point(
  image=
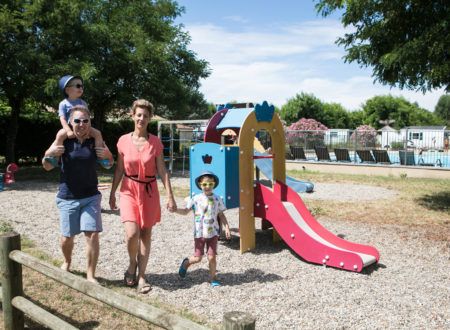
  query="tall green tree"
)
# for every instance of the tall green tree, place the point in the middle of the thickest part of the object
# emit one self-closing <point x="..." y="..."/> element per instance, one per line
<point x="442" y="109"/>
<point x="302" y="105"/>
<point x="406" y="42"/>
<point x="336" y="116"/>
<point x="405" y="113"/>
<point x="123" y="49"/>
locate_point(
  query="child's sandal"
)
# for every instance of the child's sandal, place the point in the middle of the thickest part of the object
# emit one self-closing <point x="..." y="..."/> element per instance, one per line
<point x="182" y="270"/>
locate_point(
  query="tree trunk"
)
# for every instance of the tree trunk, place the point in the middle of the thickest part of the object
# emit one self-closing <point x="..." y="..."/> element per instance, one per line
<point x="11" y="134"/>
<point x="99" y="118"/>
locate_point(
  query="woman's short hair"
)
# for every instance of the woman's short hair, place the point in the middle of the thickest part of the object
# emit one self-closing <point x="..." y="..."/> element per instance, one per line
<point x="80" y="108"/>
<point x="142" y="103"/>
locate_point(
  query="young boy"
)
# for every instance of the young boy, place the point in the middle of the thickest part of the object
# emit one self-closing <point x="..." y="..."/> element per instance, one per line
<point x="207" y="208"/>
<point x="72" y="88"/>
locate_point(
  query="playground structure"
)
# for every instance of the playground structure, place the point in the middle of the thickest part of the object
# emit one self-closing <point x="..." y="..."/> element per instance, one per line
<point x="280" y="206"/>
<point x="8" y="177"/>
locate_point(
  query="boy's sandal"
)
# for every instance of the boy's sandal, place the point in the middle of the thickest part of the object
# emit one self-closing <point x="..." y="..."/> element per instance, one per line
<point x="144" y="288"/>
<point x="215" y="283"/>
<point x="182" y="270"/>
<point x="129" y="279"/>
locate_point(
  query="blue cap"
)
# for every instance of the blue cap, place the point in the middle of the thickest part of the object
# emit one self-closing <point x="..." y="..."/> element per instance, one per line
<point x="64" y="81"/>
<point x="216" y="179"/>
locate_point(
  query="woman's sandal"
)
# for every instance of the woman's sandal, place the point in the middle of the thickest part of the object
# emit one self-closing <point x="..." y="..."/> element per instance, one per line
<point x="129" y="279"/>
<point x="144" y="288"/>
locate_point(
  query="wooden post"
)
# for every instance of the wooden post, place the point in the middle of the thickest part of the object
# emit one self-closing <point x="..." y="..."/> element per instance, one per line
<point x="238" y="321"/>
<point x="11" y="278"/>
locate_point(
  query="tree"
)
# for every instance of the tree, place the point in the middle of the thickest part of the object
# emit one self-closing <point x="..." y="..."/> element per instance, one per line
<point x="442" y="109"/>
<point x="124" y="50"/>
<point x="336" y="116"/>
<point x="302" y="106"/>
<point x="404" y="113"/>
<point x="405" y="42"/>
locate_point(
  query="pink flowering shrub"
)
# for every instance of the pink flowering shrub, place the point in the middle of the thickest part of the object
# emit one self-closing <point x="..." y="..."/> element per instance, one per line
<point x="307" y="133"/>
<point x="364" y="136"/>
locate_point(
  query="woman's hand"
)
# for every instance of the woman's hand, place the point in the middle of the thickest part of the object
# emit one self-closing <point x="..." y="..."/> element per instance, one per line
<point x="171" y="204"/>
<point x="112" y="202"/>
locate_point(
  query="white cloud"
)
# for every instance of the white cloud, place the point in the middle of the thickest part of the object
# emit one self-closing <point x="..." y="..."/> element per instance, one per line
<point x="277" y="62"/>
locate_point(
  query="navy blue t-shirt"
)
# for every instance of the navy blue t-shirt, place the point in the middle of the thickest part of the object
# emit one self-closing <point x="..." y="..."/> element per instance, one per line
<point x="78" y="177"/>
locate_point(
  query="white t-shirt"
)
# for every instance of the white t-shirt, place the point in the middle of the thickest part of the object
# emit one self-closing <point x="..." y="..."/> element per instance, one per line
<point x="206" y="210"/>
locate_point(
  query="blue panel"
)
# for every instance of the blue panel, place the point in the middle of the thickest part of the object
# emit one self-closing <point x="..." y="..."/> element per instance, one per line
<point x="234" y="118"/>
<point x="223" y="161"/>
<point x="264" y="112"/>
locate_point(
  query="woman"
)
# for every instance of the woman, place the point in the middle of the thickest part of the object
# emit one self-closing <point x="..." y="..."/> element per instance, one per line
<point x="78" y="198"/>
<point x="140" y="158"/>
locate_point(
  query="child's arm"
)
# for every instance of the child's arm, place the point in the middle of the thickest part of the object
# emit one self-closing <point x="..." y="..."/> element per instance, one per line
<point x="66" y="127"/>
<point x="183" y="211"/>
<point x="60" y="137"/>
<point x="97" y="135"/>
<point x="224" y="221"/>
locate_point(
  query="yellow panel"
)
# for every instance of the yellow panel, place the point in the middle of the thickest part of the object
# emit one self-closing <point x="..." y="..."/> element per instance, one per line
<point x="246" y="144"/>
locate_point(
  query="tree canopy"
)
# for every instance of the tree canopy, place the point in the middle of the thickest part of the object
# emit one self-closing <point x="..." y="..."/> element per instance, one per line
<point x="442" y="109"/>
<point x="405" y="42"/>
<point x="123" y="49"/>
<point x="388" y="107"/>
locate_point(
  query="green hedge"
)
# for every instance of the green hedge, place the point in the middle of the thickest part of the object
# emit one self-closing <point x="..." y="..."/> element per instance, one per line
<point x="36" y="134"/>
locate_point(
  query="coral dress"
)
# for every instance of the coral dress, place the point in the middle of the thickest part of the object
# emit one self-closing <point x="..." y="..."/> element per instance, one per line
<point x="139" y="195"/>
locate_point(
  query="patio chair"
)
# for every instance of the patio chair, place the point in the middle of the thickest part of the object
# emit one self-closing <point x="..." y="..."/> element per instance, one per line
<point x="342" y="155"/>
<point x="406" y="157"/>
<point x="381" y="156"/>
<point x="365" y="156"/>
<point x="297" y="152"/>
<point x="322" y="154"/>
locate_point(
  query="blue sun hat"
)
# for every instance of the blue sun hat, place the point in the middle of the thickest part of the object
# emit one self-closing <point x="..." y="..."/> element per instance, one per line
<point x="64" y="81"/>
<point x="198" y="179"/>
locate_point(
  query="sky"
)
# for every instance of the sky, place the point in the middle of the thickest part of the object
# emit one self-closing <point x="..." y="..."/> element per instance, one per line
<point x="272" y="50"/>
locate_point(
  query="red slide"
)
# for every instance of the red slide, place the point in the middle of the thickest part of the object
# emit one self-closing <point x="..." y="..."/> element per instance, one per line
<point x="287" y="213"/>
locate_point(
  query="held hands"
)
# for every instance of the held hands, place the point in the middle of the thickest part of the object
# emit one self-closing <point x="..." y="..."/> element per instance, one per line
<point x="171" y="205"/>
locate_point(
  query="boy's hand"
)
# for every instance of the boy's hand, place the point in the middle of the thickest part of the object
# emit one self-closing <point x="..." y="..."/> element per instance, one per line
<point x="227" y="233"/>
<point x="70" y="135"/>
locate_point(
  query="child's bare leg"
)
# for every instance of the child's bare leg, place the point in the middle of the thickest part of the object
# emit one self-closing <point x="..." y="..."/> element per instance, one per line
<point x="60" y="137"/>
<point x="97" y="135"/>
<point x="212" y="266"/>
<point x="192" y="260"/>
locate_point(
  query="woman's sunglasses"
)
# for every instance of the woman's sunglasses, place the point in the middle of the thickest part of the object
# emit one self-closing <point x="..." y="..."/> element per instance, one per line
<point x="77" y="121"/>
<point x="76" y="85"/>
<point x="207" y="184"/>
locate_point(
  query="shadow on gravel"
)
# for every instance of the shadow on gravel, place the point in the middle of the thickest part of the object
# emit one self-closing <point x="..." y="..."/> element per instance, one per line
<point x="173" y="282"/>
<point x="437" y="202"/>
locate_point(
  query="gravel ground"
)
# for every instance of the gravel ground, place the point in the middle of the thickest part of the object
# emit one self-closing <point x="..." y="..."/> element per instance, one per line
<point x="409" y="288"/>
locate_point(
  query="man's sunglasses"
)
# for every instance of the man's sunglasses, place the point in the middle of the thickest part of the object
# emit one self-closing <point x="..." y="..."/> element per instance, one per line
<point x="77" y="121"/>
<point x="76" y="85"/>
<point x="207" y="184"/>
